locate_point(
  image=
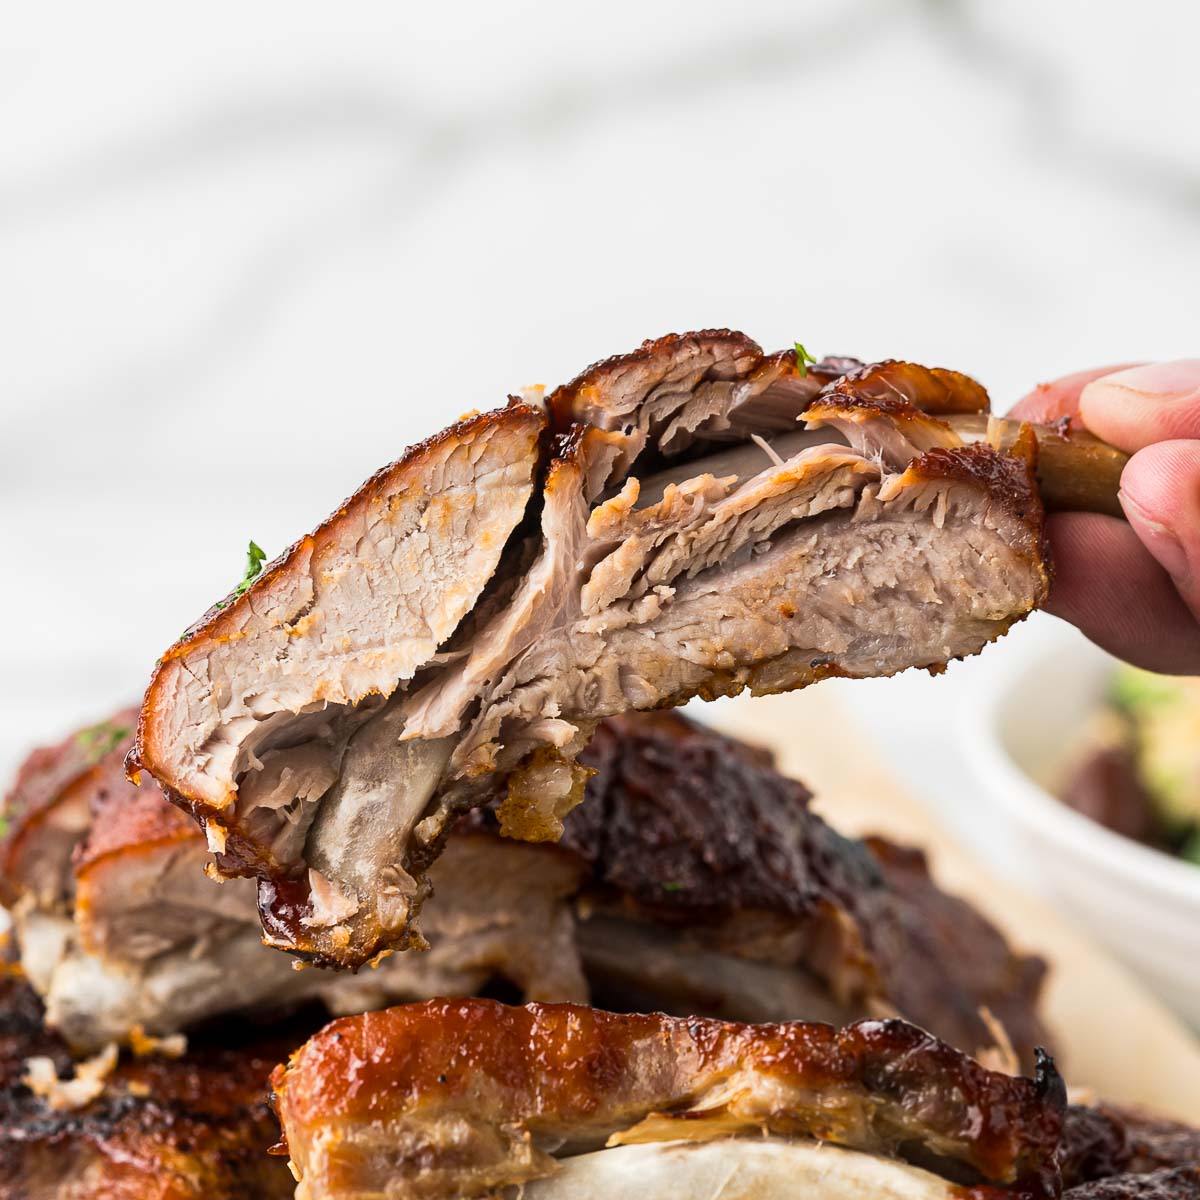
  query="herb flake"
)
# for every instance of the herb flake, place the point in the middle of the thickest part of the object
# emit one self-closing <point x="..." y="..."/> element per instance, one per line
<point x="255" y="557"/>
<point x="98" y="740"/>
<point x="803" y="358"/>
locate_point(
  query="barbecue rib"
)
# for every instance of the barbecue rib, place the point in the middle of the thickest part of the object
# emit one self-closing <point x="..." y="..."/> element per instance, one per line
<point x="712" y="889"/>
<point x="468" y="1098"/>
<point x="695" y="880"/>
<point x="459" y="626"/>
<point x="1102" y="1142"/>
<point x="132" y="935"/>
<point x="1172" y="1183"/>
<point x="194" y="1128"/>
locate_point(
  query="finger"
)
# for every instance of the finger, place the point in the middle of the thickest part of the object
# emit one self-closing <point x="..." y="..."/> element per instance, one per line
<point x="1134" y="408"/>
<point x="1160" y="493"/>
<point x="1060" y="398"/>
<point x="1107" y="583"/>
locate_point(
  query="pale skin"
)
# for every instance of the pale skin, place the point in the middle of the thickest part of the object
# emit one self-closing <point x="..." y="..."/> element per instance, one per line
<point x="1134" y="586"/>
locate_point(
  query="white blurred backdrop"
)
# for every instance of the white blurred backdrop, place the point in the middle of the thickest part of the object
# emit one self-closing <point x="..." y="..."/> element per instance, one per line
<point x="247" y="259"/>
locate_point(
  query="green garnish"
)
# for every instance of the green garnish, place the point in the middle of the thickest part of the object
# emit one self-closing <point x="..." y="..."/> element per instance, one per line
<point x="98" y="740"/>
<point x="803" y="358"/>
<point x="255" y="557"/>
<point x="672" y="887"/>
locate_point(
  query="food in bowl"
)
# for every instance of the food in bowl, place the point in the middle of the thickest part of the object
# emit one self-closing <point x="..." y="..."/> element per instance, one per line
<point x="1139" y="772"/>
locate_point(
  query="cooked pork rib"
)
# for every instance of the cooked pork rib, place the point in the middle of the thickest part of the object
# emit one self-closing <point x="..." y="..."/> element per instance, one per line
<point x="705" y="519"/>
<point x="465" y="1098"/>
<point x="194" y="1128"/>
<point x="712" y="889"/>
<point x="695" y="880"/>
<point x="134" y="936"/>
<point x="1104" y="1141"/>
<point x="46" y="812"/>
<point x="1172" y="1183"/>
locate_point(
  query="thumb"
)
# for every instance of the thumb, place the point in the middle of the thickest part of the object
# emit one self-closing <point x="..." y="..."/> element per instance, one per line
<point x="1136" y="407"/>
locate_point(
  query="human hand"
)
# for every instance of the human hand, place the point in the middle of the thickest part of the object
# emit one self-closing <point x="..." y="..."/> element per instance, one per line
<point x="1134" y="588"/>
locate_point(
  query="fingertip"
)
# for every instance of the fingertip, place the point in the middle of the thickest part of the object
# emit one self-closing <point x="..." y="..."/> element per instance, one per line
<point x="1137" y="407"/>
<point x="1163" y="482"/>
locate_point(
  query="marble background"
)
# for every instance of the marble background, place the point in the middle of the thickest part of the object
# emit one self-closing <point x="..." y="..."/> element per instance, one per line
<point x="245" y="257"/>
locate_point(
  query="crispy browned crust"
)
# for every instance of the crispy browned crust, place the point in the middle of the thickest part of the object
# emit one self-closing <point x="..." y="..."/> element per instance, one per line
<point x="833" y="402"/>
<point x="691" y="824"/>
<point x="1104" y="1140"/>
<point x="195" y="1128"/>
<point x="880" y="1085"/>
<point x="222" y="621"/>
<point x="127" y="816"/>
<point x="1175" y="1183"/>
<point x="940" y="391"/>
<point x="743" y="353"/>
<point x="50" y="778"/>
<point x="1007" y="479"/>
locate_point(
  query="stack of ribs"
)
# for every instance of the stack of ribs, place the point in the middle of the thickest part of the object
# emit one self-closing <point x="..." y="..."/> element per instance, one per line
<point x="455" y="690"/>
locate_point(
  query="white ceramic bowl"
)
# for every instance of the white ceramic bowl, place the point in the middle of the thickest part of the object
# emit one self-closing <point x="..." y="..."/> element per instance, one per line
<point x="1024" y="716"/>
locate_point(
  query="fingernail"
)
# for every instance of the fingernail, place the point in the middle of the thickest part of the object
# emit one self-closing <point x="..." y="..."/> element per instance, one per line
<point x="1161" y="381"/>
<point x="1160" y="540"/>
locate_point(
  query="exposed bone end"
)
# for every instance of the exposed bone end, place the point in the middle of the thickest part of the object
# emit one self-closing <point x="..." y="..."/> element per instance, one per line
<point x="1076" y="472"/>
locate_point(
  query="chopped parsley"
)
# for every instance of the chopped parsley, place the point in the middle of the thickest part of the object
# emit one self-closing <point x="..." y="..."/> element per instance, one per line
<point x="803" y="358"/>
<point x="255" y="557"/>
<point x="98" y="740"/>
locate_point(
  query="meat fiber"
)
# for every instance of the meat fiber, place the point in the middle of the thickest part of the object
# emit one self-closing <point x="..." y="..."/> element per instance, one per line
<point x="468" y="1098"/>
<point x="705" y="519"/>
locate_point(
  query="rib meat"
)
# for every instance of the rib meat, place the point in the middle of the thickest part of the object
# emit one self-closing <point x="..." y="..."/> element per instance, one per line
<point x="46" y="812"/>
<point x="711" y="888"/>
<point x="1173" y="1183"/>
<point x="1106" y="1141"/>
<point x="695" y="880"/>
<point x="194" y="1128"/>
<point x="134" y="937"/>
<point x="466" y="1098"/>
<point x="705" y="519"/>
